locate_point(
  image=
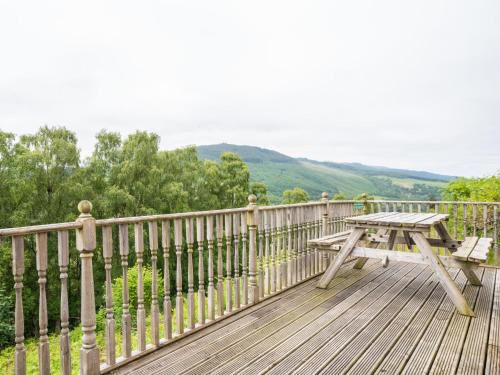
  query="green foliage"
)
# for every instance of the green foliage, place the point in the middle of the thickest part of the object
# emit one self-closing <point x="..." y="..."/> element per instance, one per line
<point x="485" y="189"/>
<point x="6" y="318"/>
<point x="43" y="177"/>
<point x="259" y="189"/>
<point x="295" y="195"/>
<point x="339" y="197"/>
<point x="117" y="288"/>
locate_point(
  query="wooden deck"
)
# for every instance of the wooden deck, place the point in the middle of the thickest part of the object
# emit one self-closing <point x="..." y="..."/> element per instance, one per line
<point x="394" y="320"/>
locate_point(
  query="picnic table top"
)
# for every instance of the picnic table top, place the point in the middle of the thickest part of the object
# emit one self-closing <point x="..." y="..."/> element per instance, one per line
<point x="398" y="219"/>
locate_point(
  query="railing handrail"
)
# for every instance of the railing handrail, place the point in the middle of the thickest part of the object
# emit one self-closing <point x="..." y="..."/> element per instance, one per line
<point x="33" y="229"/>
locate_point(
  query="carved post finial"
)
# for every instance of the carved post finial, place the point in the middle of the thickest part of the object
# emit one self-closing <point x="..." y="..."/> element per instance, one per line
<point x="85" y="207"/>
<point x="252" y="199"/>
<point x="324" y="196"/>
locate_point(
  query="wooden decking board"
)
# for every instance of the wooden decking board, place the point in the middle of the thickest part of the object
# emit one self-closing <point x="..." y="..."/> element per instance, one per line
<point x="397" y="357"/>
<point x="289" y="360"/>
<point x="333" y="320"/>
<point x="142" y="365"/>
<point x="473" y="356"/>
<point x="365" y="361"/>
<point x="333" y="346"/>
<point x="374" y="320"/>
<point x="277" y="330"/>
<point x="251" y="321"/>
<point x="290" y="312"/>
<point x="361" y="342"/>
<point x="493" y="353"/>
<point x="422" y="358"/>
<point x="448" y="355"/>
<point x="306" y="325"/>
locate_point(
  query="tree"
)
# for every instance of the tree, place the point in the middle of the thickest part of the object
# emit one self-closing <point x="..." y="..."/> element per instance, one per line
<point x="484" y="189"/>
<point x="259" y="189"/>
<point x="295" y="195"/>
<point x="339" y="197"/>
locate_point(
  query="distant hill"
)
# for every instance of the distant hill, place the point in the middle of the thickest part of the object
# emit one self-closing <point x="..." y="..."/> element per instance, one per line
<point x="280" y="172"/>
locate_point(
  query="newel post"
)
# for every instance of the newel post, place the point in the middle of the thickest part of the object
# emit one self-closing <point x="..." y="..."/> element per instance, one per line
<point x="326" y="208"/>
<point x="324" y="229"/>
<point x="86" y="243"/>
<point x="252" y="222"/>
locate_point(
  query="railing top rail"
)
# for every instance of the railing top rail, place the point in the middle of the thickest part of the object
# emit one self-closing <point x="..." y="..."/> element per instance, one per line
<point x="33" y="229"/>
<point x="163" y="217"/>
<point x="22" y="231"/>
<point x="278" y="206"/>
<point x="425" y="202"/>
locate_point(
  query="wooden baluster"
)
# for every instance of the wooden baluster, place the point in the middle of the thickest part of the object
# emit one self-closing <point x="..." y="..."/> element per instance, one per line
<point x="126" y="318"/>
<point x="386" y="207"/>
<point x="86" y="244"/>
<point x="155" y="309"/>
<point x="63" y="261"/>
<point x="273" y="250"/>
<point x="229" y="282"/>
<point x="455" y="221"/>
<point x="267" y="273"/>
<point x="284" y="238"/>
<point x="167" y="304"/>
<point x="324" y="219"/>
<point x="210" y="267"/>
<point x="293" y="221"/>
<point x="141" y="312"/>
<point x="495" y="232"/>
<point x="419" y="207"/>
<point x="190" y="296"/>
<point x="262" y="260"/>
<point x="41" y="267"/>
<point x="278" y="249"/>
<point x="485" y="220"/>
<point x="18" y="273"/>
<point x="307" y="233"/>
<point x="410" y="207"/>
<point x="107" y="251"/>
<point x="303" y="240"/>
<point x="252" y="221"/>
<point x="220" y="267"/>
<point x="201" y="270"/>
<point x="289" y="274"/>
<point x="236" y="234"/>
<point x="298" y="241"/>
<point x="474" y="219"/>
<point x="244" y="258"/>
<point x="464" y="219"/>
<point x="179" y="299"/>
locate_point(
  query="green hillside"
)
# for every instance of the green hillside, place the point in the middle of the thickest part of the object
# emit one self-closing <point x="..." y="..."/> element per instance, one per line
<point x="280" y="172"/>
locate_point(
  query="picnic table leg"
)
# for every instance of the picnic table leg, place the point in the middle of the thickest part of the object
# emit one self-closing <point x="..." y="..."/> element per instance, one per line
<point x="344" y="252"/>
<point x="470" y="274"/>
<point x="406" y="235"/>
<point x="444" y="278"/>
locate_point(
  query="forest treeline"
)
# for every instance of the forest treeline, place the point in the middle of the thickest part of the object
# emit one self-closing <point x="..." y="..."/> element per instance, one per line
<point x="43" y="177"/>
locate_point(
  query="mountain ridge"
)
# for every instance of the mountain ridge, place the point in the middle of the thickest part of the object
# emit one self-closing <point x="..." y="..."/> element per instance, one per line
<point x="281" y="172"/>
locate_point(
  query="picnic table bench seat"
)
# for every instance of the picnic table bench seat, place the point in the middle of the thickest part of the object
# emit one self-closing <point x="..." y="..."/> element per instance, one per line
<point x="330" y="242"/>
<point x="474" y="250"/>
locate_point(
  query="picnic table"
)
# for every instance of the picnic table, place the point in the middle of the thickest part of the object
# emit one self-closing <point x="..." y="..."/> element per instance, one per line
<point x="415" y="228"/>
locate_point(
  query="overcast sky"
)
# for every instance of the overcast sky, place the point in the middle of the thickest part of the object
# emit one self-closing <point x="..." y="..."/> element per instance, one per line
<point x="411" y="84"/>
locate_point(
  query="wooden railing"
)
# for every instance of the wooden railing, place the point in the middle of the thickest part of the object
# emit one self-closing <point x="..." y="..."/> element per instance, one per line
<point x="237" y="256"/>
<point x="234" y="259"/>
